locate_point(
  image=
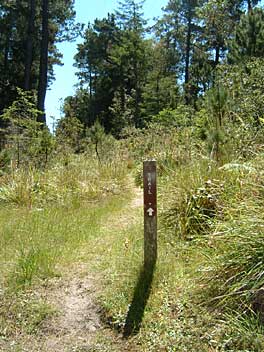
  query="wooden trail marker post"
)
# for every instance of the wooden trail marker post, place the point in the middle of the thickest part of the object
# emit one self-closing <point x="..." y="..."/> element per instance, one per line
<point x="150" y="213"/>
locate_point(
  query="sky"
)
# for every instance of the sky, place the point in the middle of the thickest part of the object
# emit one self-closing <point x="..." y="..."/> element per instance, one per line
<point x="86" y="11"/>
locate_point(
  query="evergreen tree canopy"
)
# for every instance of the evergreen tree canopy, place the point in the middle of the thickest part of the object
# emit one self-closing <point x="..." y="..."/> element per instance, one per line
<point x="249" y="37"/>
<point x="27" y="54"/>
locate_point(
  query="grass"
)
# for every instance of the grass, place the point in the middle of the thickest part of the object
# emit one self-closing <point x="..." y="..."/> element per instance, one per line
<point x="182" y="311"/>
<point x="34" y="244"/>
<point x="37" y="246"/>
<point x="81" y="179"/>
<point x="201" y="294"/>
<point x="168" y="315"/>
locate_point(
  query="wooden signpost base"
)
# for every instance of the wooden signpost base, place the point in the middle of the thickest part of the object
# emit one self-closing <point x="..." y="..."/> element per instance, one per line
<point x="150" y="213"/>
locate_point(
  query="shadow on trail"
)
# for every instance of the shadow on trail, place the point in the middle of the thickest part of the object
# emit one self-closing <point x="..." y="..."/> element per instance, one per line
<point x="139" y="302"/>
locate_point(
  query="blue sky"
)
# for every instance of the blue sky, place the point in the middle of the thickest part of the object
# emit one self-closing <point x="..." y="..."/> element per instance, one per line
<point x="86" y="11"/>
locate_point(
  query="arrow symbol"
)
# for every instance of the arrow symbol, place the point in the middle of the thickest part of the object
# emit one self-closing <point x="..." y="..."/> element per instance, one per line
<point x="150" y="211"/>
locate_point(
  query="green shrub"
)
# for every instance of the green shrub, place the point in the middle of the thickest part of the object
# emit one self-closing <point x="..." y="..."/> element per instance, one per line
<point x="193" y="212"/>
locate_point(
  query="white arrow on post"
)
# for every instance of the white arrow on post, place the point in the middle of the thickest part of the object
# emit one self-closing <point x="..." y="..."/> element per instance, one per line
<point x="150" y="211"/>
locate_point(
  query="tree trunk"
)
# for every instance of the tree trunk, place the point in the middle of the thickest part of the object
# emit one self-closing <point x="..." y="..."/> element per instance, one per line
<point x="43" y="67"/>
<point x="8" y="34"/>
<point x="29" y="45"/>
<point x="90" y="81"/>
<point x="187" y="61"/>
<point x="249" y="5"/>
<point x="217" y="55"/>
<point x="6" y="54"/>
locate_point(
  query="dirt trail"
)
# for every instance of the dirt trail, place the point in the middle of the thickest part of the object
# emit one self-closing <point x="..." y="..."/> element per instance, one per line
<point x="76" y="325"/>
<point x="137" y="200"/>
<point x="78" y="317"/>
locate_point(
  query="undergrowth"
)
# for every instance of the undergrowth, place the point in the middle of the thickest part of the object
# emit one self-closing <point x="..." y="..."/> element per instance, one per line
<point x="206" y="291"/>
<point x="81" y="179"/>
<point x="38" y="246"/>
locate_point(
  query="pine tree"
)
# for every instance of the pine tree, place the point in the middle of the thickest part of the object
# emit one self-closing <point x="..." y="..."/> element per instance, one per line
<point x="130" y="15"/>
<point x="99" y="75"/>
<point x="181" y="21"/>
<point x="249" y="37"/>
<point x="161" y="90"/>
<point x="132" y="52"/>
<point x="112" y="65"/>
<point x="21" y="26"/>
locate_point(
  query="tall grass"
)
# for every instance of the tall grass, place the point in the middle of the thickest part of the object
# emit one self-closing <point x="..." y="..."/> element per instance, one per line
<point x="35" y="244"/>
<point x="38" y="245"/>
<point x="48" y="221"/>
<point x="82" y="178"/>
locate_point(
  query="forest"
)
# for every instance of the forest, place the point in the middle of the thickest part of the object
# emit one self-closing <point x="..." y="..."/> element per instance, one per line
<point x="187" y="90"/>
